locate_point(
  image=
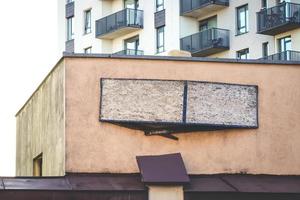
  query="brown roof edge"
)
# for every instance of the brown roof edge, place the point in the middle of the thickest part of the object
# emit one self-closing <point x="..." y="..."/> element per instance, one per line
<point x="180" y="58"/>
<point x="235" y="183"/>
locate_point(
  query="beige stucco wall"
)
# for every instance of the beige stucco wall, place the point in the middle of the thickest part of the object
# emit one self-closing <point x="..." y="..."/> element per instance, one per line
<point x="273" y="148"/>
<point x="40" y="127"/>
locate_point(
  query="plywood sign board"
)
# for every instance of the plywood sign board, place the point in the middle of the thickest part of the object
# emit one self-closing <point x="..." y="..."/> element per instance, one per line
<point x="180" y="103"/>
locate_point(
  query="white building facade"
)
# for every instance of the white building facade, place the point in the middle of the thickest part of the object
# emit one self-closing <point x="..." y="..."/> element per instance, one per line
<point x="243" y="29"/>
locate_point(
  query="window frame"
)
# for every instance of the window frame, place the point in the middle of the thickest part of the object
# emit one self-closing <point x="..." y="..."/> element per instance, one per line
<point x="238" y="20"/>
<point x="160" y="47"/>
<point x="70" y="30"/>
<point x="88" y="49"/>
<point x="265" y="49"/>
<point x="285" y="42"/>
<point x="37" y="169"/>
<point x="159" y="7"/>
<point x="239" y="53"/>
<point x="87" y="21"/>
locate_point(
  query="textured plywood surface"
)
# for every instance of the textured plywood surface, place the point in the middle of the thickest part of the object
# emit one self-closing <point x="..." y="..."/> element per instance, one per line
<point x="40" y="127"/>
<point x="142" y="100"/>
<point x="222" y="104"/>
<point x="162" y="101"/>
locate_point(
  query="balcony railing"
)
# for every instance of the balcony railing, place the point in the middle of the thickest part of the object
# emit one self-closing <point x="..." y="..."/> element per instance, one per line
<point x="278" y="19"/>
<point x="206" y="42"/>
<point x="131" y="52"/>
<point x="284" y="56"/>
<point x="196" y="8"/>
<point x="122" y="22"/>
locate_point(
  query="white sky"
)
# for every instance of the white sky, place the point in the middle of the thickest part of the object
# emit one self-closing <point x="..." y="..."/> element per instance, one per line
<point x="28" y="50"/>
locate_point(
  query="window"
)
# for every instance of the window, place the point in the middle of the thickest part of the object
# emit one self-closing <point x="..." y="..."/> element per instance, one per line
<point x="87" y="22"/>
<point x="38" y="165"/>
<point x="242" y="19"/>
<point x="265" y="49"/>
<point x="69" y="1"/>
<point x="242" y="54"/>
<point x="88" y="50"/>
<point x="208" y="23"/>
<point x="160" y="39"/>
<point x="133" y="4"/>
<point x="264" y="4"/>
<point x="159" y="5"/>
<point x="285" y="44"/>
<point x="70" y="32"/>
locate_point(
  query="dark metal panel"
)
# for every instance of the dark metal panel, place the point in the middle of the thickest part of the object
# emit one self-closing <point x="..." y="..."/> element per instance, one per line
<point x="206" y="42"/>
<point x="238" y="196"/>
<point x="187" y="6"/>
<point x="284" y="56"/>
<point x="106" y="182"/>
<point x="278" y="19"/>
<point x="163" y="169"/>
<point x="70" y="46"/>
<point x="125" y="18"/>
<point x="208" y="183"/>
<point x="70" y="9"/>
<point x="1" y="184"/>
<point x="36" y="184"/>
<point x="264" y="183"/>
<point x="72" y="195"/>
<point x="160" y="18"/>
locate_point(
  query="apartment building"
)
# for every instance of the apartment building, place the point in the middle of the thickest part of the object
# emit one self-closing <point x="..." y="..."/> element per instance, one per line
<point x="244" y="29"/>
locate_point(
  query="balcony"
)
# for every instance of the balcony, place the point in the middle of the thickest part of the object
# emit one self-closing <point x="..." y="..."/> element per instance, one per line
<point x="131" y="52"/>
<point x="206" y="42"/>
<point x="119" y="23"/>
<point x="284" y="56"/>
<point x="198" y="8"/>
<point x="278" y="19"/>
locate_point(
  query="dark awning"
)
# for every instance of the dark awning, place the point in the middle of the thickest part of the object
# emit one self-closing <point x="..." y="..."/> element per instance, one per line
<point x="163" y="169"/>
<point x="132" y="182"/>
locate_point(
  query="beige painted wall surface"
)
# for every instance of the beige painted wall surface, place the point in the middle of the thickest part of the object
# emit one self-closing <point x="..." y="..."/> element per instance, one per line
<point x="166" y="193"/>
<point x="40" y="128"/>
<point x="102" y="147"/>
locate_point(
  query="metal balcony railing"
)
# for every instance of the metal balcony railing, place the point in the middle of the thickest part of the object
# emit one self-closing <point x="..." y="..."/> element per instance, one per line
<point x="132" y="52"/>
<point x="278" y="19"/>
<point x="125" y="18"/>
<point x="206" y="42"/>
<point x="190" y="5"/>
<point x="284" y="56"/>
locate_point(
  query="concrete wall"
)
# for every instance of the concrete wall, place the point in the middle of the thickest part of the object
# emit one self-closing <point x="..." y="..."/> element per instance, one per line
<point x="40" y="127"/>
<point x="273" y="148"/>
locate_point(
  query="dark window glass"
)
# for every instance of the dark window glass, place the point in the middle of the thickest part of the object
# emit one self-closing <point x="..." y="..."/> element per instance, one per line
<point x="87" y="22"/>
<point x="285" y="44"/>
<point x="242" y="19"/>
<point x="264" y="4"/>
<point x="160" y="39"/>
<point x="243" y="54"/>
<point x="132" y="43"/>
<point x="208" y="23"/>
<point x="265" y="49"/>
<point x="70" y="31"/>
<point x="88" y="50"/>
<point x="69" y="1"/>
<point x="133" y="4"/>
<point x="159" y="5"/>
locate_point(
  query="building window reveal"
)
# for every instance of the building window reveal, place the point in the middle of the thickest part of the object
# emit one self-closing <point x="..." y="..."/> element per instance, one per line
<point x="87" y="22"/>
<point x="160" y="39"/>
<point x="38" y="165"/>
<point x="242" y="20"/>
<point x="159" y="5"/>
<point x="70" y="31"/>
<point x="243" y="54"/>
<point x="88" y="50"/>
